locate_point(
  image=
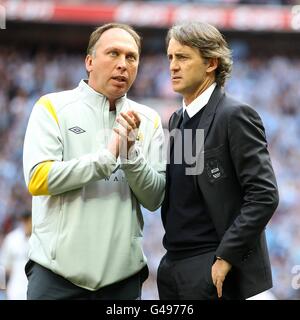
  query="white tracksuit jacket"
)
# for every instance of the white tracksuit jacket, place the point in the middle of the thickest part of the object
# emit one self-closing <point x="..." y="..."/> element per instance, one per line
<point x="87" y="222"/>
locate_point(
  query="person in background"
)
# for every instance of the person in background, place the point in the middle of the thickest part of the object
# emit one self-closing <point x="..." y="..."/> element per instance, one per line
<point x="215" y="209"/>
<point x="14" y="255"/>
<point x="90" y="161"/>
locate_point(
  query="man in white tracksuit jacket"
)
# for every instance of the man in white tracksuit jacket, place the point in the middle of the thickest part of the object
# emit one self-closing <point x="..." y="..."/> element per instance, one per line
<point x="87" y="192"/>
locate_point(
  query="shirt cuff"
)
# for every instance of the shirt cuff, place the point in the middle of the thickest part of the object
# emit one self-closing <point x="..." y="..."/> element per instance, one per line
<point x="134" y="157"/>
<point x="106" y="161"/>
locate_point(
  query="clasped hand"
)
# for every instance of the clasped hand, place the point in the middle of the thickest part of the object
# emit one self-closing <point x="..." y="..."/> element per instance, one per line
<point x="125" y="134"/>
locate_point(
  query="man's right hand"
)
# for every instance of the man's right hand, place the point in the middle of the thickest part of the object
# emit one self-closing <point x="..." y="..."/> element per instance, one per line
<point x="219" y="272"/>
<point x="124" y="137"/>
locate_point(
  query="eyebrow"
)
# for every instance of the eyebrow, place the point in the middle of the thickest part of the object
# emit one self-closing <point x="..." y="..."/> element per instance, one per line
<point x="135" y="53"/>
<point x="176" y="54"/>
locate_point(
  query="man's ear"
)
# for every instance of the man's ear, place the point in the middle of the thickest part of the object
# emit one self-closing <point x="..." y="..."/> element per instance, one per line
<point x="212" y="64"/>
<point x="88" y="63"/>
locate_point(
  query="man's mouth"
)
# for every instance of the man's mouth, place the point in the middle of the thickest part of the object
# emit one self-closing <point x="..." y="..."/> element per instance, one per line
<point x="120" y="79"/>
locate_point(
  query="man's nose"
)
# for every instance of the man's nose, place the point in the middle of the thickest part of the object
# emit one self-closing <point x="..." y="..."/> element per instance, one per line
<point x="174" y="65"/>
<point x="121" y="65"/>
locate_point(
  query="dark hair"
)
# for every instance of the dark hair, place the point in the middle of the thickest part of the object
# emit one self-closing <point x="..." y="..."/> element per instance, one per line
<point x="95" y="36"/>
<point x="209" y="41"/>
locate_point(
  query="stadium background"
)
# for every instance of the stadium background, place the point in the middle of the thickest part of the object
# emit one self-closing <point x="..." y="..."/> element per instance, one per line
<point x="42" y="50"/>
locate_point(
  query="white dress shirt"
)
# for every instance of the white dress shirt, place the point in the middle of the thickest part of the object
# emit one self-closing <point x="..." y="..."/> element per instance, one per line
<point x="195" y="106"/>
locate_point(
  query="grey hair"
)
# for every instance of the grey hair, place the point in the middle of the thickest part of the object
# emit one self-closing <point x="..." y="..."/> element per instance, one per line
<point x="209" y="41"/>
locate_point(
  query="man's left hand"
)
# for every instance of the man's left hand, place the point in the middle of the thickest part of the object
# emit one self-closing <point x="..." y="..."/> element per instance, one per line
<point x="219" y="272"/>
<point x="128" y="129"/>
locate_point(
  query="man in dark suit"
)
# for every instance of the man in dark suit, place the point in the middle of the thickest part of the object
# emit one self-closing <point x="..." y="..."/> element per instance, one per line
<point x="214" y="219"/>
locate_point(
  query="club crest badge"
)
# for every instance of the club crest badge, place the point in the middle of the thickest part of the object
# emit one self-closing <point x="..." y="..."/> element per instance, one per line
<point x="214" y="170"/>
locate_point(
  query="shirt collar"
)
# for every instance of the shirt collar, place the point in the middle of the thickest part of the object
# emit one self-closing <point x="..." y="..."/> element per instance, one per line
<point x="201" y="101"/>
<point x="94" y="98"/>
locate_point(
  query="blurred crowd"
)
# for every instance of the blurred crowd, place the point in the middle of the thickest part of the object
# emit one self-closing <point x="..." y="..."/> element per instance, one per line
<point x="271" y="85"/>
<point x="225" y="2"/>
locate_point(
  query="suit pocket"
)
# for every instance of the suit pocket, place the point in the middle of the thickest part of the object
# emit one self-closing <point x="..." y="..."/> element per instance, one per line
<point x="214" y="166"/>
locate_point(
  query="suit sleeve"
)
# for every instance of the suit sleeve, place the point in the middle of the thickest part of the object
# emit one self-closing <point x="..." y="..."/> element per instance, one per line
<point x="252" y="163"/>
<point x="146" y="172"/>
<point x="45" y="171"/>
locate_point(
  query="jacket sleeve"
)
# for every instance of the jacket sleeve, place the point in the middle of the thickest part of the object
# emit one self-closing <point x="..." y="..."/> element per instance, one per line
<point x="45" y="171"/>
<point x="252" y="163"/>
<point x="146" y="172"/>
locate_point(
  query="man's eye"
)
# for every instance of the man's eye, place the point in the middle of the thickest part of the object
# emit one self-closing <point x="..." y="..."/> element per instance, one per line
<point x="113" y="53"/>
<point x="131" y="58"/>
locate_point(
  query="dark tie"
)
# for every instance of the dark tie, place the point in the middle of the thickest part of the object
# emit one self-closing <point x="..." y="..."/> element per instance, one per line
<point x="185" y="119"/>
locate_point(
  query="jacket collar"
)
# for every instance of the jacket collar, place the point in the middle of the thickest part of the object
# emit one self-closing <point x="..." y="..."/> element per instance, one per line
<point x="96" y="99"/>
<point x="208" y="112"/>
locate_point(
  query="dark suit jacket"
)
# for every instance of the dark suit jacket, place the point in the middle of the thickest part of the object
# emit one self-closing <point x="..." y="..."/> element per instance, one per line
<point x="242" y="197"/>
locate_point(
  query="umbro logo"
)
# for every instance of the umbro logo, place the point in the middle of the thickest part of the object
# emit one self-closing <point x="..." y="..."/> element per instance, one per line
<point x="77" y="130"/>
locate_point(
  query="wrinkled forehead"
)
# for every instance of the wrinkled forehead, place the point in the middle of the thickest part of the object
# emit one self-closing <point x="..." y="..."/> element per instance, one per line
<point x="117" y="38"/>
<point x="175" y="46"/>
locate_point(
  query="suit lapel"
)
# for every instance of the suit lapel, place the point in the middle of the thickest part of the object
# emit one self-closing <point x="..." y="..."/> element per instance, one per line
<point x="174" y="122"/>
<point x="210" y="111"/>
<point x="205" y="123"/>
